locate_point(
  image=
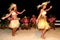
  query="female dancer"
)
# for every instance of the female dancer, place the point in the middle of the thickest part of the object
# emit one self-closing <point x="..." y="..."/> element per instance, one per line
<point x="41" y="20"/>
<point x="14" y="20"/>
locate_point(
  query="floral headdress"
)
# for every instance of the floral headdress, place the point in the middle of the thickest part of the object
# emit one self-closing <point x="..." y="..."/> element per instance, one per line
<point x="42" y="4"/>
<point x="12" y="6"/>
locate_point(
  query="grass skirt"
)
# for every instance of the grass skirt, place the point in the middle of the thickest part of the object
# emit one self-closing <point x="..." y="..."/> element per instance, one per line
<point x="14" y="24"/>
<point x="43" y="24"/>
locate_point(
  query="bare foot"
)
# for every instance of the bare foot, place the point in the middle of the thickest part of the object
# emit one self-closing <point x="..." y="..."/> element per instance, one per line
<point x="42" y="37"/>
<point x="13" y="34"/>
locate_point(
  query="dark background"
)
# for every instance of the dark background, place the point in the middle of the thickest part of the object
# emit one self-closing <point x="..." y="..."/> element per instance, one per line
<point x="30" y="6"/>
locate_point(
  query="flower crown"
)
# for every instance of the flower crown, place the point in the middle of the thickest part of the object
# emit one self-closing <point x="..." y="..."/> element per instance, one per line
<point x="12" y="6"/>
<point x="42" y="4"/>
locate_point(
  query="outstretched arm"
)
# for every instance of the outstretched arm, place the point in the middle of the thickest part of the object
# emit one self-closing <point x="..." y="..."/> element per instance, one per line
<point x="21" y="12"/>
<point x="48" y="8"/>
<point x="7" y="15"/>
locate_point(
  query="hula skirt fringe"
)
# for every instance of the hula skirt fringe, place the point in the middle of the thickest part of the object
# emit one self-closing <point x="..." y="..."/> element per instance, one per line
<point x="43" y="24"/>
<point x="14" y="24"/>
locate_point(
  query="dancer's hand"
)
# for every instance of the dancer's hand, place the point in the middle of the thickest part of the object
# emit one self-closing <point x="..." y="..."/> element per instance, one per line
<point x="3" y="18"/>
<point x="50" y="6"/>
<point x="24" y="10"/>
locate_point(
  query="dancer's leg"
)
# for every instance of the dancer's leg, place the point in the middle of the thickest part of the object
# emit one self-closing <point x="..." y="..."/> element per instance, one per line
<point x="43" y="33"/>
<point x="14" y="31"/>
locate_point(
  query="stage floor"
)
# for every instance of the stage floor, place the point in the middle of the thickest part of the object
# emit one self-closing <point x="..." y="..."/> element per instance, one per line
<point x="32" y="34"/>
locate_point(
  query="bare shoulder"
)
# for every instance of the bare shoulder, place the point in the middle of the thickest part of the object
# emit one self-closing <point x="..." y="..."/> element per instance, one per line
<point x="11" y="12"/>
<point x="42" y="10"/>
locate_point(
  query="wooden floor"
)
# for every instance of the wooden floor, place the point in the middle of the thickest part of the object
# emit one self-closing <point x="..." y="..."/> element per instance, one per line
<point x="32" y="34"/>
